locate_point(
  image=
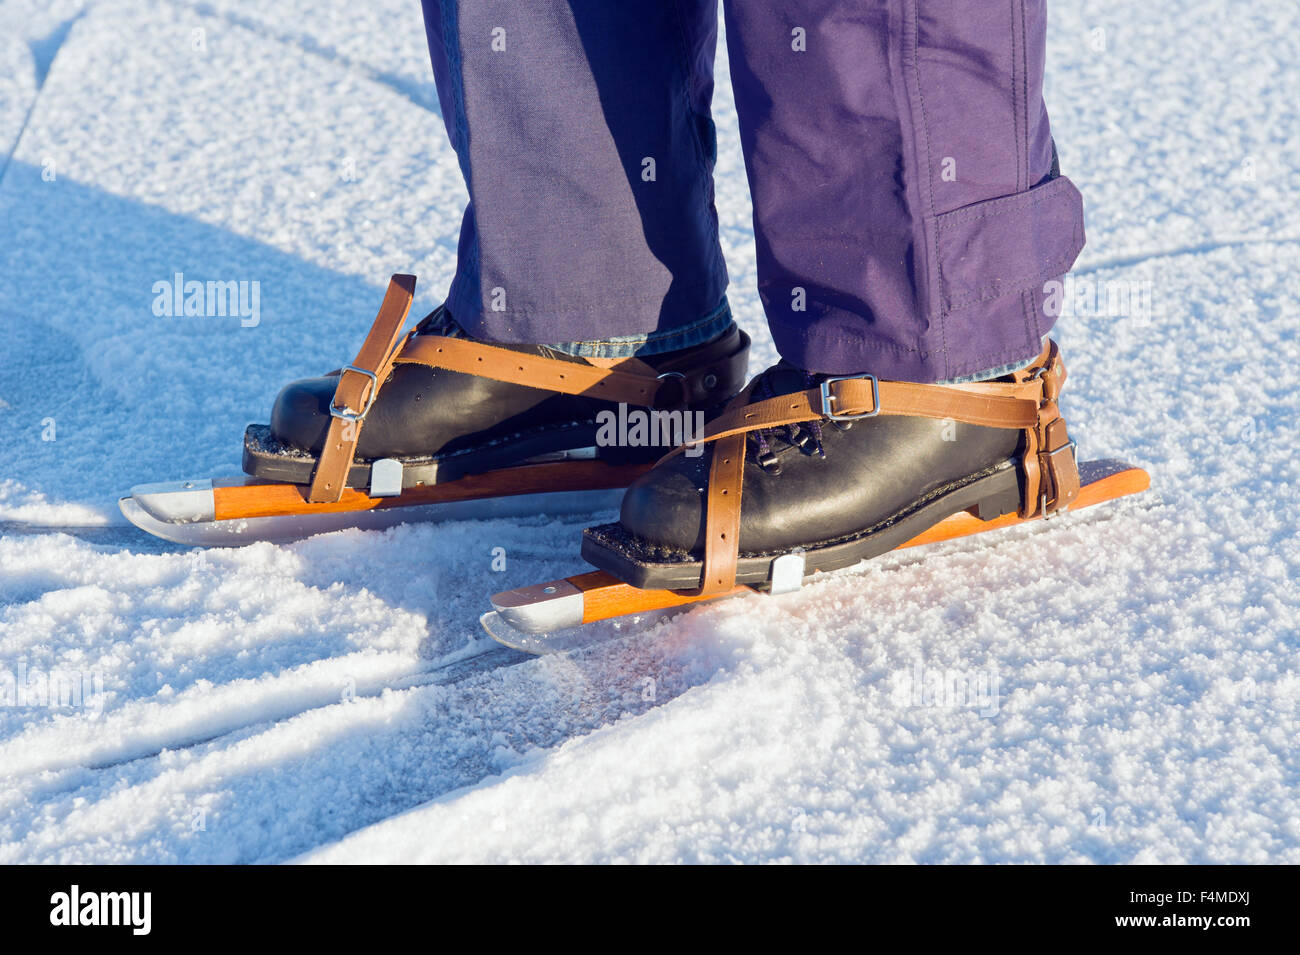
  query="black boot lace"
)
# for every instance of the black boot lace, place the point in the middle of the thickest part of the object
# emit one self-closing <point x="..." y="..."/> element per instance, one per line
<point x="783" y="379"/>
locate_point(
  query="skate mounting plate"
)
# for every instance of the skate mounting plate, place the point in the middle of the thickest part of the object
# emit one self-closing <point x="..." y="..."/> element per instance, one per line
<point x="242" y="510"/>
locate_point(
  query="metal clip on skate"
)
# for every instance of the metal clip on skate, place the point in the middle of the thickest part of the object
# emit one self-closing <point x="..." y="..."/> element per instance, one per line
<point x="787" y="573"/>
<point x="386" y="478"/>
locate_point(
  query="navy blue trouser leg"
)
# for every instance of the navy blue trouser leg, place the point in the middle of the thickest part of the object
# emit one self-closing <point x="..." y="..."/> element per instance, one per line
<point x="909" y="215"/>
<point x="583" y="131"/>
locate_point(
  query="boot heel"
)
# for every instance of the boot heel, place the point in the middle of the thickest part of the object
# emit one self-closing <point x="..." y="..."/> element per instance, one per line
<point x="1003" y="501"/>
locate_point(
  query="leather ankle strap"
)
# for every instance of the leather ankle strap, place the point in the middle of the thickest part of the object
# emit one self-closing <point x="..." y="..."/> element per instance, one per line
<point x="1049" y="469"/>
<point x="710" y="373"/>
<point x="358" y="385"/>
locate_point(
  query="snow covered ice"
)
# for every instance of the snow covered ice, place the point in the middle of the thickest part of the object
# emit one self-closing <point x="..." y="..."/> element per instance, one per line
<point x="1125" y="682"/>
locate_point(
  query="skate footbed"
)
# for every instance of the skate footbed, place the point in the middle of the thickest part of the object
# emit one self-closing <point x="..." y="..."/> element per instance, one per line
<point x="252" y="497"/>
<point x="267" y="458"/>
<point x="989" y="494"/>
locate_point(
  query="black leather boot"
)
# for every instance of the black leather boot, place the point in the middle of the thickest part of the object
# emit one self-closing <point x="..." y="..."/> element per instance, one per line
<point x="443" y="425"/>
<point x="835" y="491"/>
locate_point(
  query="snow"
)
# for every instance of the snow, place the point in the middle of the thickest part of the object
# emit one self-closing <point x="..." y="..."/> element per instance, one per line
<point x="1119" y="688"/>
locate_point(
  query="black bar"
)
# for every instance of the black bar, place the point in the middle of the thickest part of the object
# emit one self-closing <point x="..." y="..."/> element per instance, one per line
<point x="953" y="904"/>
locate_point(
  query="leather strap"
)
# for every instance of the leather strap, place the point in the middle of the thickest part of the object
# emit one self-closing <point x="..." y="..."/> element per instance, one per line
<point x="697" y="378"/>
<point x="702" y="376"/>
<point x="722" y="506"/>
<point x="722" y="517"/>
<point x="1047" y="463"/>
<point x="357" y="389"/>
<point x="532" y="371"/>
<point x="1027" y="403"/>
<point x="993" y="406"/>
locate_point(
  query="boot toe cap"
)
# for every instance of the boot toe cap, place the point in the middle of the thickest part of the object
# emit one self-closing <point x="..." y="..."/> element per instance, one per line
<point x="300" y="417"/>
<point x="665" y="508"/>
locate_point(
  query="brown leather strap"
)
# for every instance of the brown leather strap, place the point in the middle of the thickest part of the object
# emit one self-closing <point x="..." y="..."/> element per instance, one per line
<point x="714" y="369"/>
<point x="1027" y="403"/>
<point x="992" y="406"/>
<point x="533" y="371"/>
<point x="1057" y="464"/>
<point x="722" y="507"/>
<point x="357" y="389"/>
<point x="632" y="381"/>
<point x="722" y="517"/>
<point x="1048" y="464"/>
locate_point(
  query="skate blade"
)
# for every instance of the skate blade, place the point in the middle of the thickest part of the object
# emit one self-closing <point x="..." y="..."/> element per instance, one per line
<point x="496" y="625"/>
<point x="539" y="644"/>
<point x="552" y="617"/>
<point x="183" y="513"/>
<point x="545" y="618"/>
<point x="596" y="596"/>
<point x="239" y="510"/>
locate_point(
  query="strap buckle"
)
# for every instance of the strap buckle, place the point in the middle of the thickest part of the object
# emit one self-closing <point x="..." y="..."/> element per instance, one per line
<point x="1062" y="496"/>
<point x="347" y="414"/>
<point x="828" y="399"/>
<point x="683" y="393"/>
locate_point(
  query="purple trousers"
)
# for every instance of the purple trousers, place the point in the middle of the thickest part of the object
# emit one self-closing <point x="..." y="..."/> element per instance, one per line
<point x="908" y="208"/>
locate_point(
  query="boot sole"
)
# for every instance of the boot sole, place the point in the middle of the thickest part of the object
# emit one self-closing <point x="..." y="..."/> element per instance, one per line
<point x="988" y="495"/>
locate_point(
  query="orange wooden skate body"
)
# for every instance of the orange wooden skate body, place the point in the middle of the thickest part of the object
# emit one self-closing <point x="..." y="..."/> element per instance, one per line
<point x="604" y="596"/>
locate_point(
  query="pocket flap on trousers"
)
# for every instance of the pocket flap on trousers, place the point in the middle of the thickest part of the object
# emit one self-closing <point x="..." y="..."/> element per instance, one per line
<point x="1007" y="245"/>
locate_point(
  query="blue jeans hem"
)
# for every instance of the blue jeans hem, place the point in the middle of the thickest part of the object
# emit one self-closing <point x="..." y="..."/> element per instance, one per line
<point x="629" y="346"/>
<point x="991" y="373"/>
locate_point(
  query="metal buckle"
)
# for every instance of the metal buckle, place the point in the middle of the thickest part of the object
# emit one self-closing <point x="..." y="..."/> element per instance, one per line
<point x="1072" y="447"/>
<point x="828" y="398"/>
<point x="681" y="405"/>
<point x="347" y="414"/>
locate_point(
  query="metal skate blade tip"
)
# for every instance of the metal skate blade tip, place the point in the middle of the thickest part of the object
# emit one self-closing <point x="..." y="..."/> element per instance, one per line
<point x="492" y="623"/>
<point x="541" y="608"/>
<point x="508" y="636"/>
<point x="177" y="502"/>
<point x="142" y="519"/>
<point x="539" y="644"/>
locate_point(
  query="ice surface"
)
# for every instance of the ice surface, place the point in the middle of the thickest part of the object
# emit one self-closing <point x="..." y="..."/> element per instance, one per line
<point x="1130" y="687"/>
